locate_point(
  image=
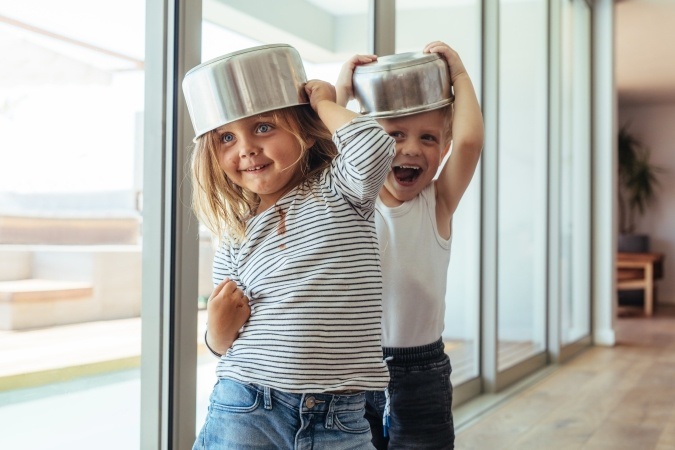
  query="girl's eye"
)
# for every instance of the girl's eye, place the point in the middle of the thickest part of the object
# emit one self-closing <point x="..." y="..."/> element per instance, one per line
<point x="226" y="138"/>
<point x="264" y="128"/>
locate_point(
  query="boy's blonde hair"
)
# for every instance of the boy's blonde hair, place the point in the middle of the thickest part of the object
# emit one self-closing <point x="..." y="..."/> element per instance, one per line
<point x="449" y="112"/>
<point x="222" y="206"/>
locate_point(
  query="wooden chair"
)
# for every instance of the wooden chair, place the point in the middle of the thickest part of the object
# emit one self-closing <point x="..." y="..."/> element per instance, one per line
<point x="640" y="271"/>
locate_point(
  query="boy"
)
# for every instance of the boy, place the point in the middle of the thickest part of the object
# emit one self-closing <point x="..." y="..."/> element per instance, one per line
<point x="414" y="225"/>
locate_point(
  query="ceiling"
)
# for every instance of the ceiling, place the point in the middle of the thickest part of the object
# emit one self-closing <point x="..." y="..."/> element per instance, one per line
<point x="645" y="44"/>
<point x="645" y="51"/>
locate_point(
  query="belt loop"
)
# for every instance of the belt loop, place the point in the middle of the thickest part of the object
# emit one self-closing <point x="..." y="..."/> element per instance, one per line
<point x="331" y="412"/>
<point x="267" y="396"/>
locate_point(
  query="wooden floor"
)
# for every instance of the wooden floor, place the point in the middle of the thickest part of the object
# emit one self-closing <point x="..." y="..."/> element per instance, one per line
<point x="611" y="398"/>
<point x="616" y="398"/>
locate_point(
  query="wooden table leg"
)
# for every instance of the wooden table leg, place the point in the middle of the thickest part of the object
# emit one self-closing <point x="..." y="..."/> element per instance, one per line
<point x="649" y="290"/>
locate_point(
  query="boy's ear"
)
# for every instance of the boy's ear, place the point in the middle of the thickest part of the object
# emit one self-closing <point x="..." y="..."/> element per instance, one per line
<point x="445" y="151"/>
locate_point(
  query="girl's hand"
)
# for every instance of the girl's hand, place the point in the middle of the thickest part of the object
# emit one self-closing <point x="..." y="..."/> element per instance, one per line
<point x="451" y="57"/>
<point x="318" y="91"/>
<point x="344" y="87"/>
<point x="228" y="310"/>
<point x="322" y="98"/>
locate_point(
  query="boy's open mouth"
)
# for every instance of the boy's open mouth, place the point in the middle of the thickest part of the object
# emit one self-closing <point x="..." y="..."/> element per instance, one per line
<point x="407" y="174"/>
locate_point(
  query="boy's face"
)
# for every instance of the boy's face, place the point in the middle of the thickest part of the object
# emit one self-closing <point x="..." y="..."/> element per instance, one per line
<point x="419" y="152"/>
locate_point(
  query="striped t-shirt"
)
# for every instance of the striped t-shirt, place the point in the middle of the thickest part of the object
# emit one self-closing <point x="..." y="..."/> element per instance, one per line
<point x="310" y="266"/>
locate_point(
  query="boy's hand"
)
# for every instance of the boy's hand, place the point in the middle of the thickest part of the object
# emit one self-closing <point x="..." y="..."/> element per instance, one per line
<point x="451" y="57"/>
<point x="344" y="87"/>
<point x="318" y="91"/>
<point x="228" y="310"/>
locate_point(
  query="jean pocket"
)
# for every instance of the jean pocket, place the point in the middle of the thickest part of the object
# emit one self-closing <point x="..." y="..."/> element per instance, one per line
<point x="353" y="422"/>
<point x="232" y="396"/>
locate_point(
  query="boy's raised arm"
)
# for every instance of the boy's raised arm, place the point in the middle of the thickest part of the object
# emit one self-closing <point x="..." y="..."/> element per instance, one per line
<point x="344" y="87"/>
<point x="467" y="132"/>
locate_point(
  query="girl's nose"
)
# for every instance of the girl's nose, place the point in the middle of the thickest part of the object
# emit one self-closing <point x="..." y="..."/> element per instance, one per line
<point x="248" y="149"/>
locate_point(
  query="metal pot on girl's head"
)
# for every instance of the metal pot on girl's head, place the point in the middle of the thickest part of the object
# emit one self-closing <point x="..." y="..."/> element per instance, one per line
<point x="243" y="84"/>
<point x="402" y="84"/>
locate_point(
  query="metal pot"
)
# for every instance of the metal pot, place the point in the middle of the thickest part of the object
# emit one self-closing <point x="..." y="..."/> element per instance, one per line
<point x="402" y="84"/>
<point x="243" y="84"/>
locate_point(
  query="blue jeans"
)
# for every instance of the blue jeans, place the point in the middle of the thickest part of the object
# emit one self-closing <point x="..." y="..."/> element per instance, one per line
<point x="420" y="395"/>
<point x="248" y="416"/>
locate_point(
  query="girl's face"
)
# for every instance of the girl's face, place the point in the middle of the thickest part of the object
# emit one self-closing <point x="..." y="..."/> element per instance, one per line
<point x="419" y="152"/>
<point x="259" y="156"/>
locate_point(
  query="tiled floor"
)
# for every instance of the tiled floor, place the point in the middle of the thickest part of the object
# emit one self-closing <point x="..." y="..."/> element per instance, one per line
<point x="40" y="356"/>
<point x="78" y="387"/>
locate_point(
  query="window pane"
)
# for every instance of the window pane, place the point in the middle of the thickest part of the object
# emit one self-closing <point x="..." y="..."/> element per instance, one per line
<point x="523" y="143"/>
<point x="458" y="24"/>
<point x="575" y="174"/>
<point x="71" y="91"/>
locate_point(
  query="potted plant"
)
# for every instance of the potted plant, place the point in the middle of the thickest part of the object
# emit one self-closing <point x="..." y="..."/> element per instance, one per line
<point x="638" y="182"/>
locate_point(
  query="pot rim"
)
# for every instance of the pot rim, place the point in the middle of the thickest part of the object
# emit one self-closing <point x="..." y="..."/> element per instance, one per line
<point x="410" y="111"/>
<point x="397" y="61"/>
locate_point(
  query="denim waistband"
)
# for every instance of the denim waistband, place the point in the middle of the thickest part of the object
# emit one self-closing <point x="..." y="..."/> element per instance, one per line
<point x="313" y="402"/>
<point x="421" y="354"/>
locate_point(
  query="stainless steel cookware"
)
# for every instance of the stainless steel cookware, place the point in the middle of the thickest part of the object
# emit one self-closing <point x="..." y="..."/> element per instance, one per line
<point x="242" y="84"/>
<point x="402" y="84"/>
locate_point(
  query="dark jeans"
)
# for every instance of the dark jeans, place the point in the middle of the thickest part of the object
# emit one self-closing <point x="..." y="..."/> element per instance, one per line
<point x="420" y="396"/>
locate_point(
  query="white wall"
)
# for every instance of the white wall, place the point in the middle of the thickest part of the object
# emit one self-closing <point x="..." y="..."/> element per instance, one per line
<point x="654" y="126"/>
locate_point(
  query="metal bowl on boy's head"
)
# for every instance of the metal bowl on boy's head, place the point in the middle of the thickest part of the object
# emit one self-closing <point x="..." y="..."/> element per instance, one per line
<point x="402" y="84"/>
<point x="242" y="84"/>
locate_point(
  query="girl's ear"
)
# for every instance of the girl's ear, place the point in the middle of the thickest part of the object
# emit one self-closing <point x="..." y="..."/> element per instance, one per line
<point x="310" y="142"/>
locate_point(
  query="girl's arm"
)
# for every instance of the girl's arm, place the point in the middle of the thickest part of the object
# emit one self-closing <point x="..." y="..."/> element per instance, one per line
<point x="365" y="150"/>
<point x="467" y="135"/>
<point x="322" y="98"/>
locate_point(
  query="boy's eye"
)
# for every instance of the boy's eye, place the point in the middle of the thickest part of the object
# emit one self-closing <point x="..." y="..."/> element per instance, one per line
<point x="429" y="137"/>
<point x="396" y="134"/>
<point x="227" y="137"/>
<point x="264" y="128"/>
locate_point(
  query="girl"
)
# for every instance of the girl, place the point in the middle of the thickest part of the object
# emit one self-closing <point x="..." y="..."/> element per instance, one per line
<point x="296" y="315"/>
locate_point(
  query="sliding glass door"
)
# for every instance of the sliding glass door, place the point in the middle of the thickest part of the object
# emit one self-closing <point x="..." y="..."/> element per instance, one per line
<point x="71" y="213"/>
<point x="522" y="182"/>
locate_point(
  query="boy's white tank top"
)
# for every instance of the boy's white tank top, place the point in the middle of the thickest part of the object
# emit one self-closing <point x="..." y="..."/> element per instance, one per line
<point x="415" y="263"/>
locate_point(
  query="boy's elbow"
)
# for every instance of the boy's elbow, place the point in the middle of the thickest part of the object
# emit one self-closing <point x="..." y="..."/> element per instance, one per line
<point x="471" y="143"/>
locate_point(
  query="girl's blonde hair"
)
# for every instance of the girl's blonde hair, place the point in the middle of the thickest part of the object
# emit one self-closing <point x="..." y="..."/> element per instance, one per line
<point x="222" y="206"/>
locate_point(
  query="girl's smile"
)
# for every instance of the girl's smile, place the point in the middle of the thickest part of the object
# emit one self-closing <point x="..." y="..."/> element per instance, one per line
<point x="256" y="168"/>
